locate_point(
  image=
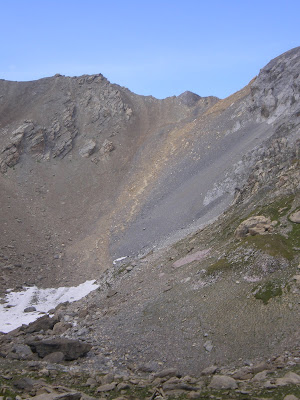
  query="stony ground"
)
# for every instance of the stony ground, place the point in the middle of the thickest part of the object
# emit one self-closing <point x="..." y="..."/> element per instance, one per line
<point x="277" y="378"/>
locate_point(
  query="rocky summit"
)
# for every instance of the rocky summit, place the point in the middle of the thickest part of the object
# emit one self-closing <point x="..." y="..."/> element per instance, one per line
<point x="183" y="213"/>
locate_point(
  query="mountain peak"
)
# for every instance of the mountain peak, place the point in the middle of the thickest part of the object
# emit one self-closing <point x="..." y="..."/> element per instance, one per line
<point x="189" y="98"/>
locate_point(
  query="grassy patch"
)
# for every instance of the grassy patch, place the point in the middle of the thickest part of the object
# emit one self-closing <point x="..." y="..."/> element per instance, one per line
<point x="294" y="236"/>
<point x="275" y="245"/>
<point x="219" y="266"/>
<point x="267" y="291"/>
<point x="134" y="392"/>
<point x="278" y="208"/>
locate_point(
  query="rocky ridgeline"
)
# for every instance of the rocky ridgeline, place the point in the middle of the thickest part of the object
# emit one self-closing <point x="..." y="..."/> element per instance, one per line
<point x="99" y="109"/>
<point x="275" y="92"/>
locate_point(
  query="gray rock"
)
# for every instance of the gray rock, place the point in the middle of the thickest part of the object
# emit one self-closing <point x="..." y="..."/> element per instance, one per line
<point x="106" y="388"/>
<point x="260" y="376"/>
<point x="210" y="370"/>
<point x="29" y="309"/>
<point x="91" y="382"/>
<point x="44" y="323"/>
<point x="291" y="378"/>
<point x="290" y="397"/>
<point x="222" y="382"/>
<point x="208" y="346"/>
<point x="55" y="357"/>
<point x="243" y="374"/>
<point x="108" y="378"/>
<point x="72" y="349"/>
<point x="167" y="372"/>
<point x="262" y="366"/>
<point x="25" y="384"/>
<point x="61" y="327"/>
<point x="123" y="386"/>
<point x="23" y="352"/>
<point x="88" y="149"/>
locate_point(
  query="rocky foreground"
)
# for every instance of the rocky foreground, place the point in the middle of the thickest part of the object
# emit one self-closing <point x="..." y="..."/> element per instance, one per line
<point x="276" y="378"/>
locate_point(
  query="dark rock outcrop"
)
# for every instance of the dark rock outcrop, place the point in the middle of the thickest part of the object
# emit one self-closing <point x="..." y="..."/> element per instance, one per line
<point x="71" y="349"/>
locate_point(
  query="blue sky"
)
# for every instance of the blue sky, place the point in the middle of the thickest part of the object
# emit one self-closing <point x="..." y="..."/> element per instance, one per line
<point x="152" y="47"/>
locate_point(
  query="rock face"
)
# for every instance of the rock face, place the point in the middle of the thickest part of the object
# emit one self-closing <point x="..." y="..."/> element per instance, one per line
<point x="71" y="349"/>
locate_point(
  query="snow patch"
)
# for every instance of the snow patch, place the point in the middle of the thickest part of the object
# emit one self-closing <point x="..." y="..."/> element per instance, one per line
<point x="12" y="307"/>
<point x="118" y="259"/>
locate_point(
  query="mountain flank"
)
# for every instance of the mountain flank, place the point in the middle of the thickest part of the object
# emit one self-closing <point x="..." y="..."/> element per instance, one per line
<point x="185" y="211"/>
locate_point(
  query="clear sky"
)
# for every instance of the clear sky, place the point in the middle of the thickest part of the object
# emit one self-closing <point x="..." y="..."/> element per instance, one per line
<point x="157" y="47"/>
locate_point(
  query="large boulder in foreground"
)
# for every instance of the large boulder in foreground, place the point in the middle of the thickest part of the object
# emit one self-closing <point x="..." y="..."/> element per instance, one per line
<point x="71" y="349"/>
<point x="258" y="225"/>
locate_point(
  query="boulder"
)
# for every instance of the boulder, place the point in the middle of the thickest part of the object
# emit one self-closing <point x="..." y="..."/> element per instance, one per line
<point x="258" y="225"/>
<point x="22" y="352"/>
<point x="71" y="349"/>
<point x="25" y="384"/>
<point x="107" y="388"/>
<point x="260" y="376"/>
<point x="61" y="327"/>
<point x="295" y="217"/>
<point x="178" y="385"/>
<point x="260" y="367"/>
<point x="44" y="323"/>
<point x="108" y="378"/>
<point x="208" y="346"/>
<point x="88" y="148"/>
<point x="222" y="382"/>
<point x="243" y="374"/>
<point x="210" y="370"/>
<point x="55" y="357"/>
<point x="167" y="372"/>
<point x="291" y="378"/>
<point x="29" y="309"/>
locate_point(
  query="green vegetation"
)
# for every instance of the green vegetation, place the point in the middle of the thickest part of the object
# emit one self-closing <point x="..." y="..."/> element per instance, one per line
<point x="267" y="291"/>
<point x="275" y="245"/>
<point x="219" y="266"/>
<point x="294" y="236"/>
<point x="278" y="208"/>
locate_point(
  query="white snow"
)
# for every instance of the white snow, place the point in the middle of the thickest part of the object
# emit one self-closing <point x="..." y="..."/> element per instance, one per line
<point x="42" y="299"/>
<point x="119" y="259"/>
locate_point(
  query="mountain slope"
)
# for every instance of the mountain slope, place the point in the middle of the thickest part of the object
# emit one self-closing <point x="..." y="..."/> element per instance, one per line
<point x="92" y="172"/>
